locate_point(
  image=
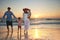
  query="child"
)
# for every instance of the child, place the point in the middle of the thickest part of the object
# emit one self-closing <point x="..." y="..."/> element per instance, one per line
<point x="19" y="23"/>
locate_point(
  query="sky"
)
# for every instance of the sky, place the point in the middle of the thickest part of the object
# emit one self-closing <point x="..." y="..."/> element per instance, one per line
<point x="39" y="8"/>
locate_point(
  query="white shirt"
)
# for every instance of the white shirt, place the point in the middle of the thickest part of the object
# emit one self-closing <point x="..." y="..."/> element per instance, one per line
<point x="26" y="20"/>
<point x="25" y="16"/>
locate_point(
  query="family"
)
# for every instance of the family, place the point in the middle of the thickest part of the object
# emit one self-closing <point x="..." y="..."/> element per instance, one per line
<point x="26" y="19"/>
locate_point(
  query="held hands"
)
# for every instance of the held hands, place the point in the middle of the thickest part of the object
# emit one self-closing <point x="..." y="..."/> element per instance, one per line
<point x="2" y="20"/>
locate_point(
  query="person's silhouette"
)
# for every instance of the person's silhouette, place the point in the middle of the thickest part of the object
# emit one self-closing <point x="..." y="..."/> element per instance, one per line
<point x="26" y="19"/>
<point x="7" y="36"/>
<point x="9" y="15"/>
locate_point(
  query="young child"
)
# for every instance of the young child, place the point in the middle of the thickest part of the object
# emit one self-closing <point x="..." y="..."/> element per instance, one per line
<point x="19" y="23"/>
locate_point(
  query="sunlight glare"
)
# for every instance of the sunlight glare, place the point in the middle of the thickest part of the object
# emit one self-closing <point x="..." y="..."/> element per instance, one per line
<point x="36" y="16"/>
<point x="36" y="34"/>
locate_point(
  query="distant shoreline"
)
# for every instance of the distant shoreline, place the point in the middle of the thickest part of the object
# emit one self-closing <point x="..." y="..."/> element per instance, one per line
<point x="4" y="24"/>
<point x="36" y="21"/>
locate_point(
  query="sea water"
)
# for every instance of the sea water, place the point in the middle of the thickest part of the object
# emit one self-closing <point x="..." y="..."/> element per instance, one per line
<point x="38" y="30"/>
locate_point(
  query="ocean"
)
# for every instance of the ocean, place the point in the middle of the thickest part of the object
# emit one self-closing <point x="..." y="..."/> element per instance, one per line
<point x="38" y="30"/>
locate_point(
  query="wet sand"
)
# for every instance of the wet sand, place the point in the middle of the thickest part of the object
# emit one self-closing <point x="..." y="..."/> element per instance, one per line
<point x="33" y="34"/>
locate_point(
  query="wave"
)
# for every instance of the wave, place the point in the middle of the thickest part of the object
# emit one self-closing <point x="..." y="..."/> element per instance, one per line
<point x="32" y="23"/>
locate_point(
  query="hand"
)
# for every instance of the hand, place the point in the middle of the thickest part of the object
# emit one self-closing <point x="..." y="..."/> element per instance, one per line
<point x="16" y="20"/>
<point x="2" y="21"/>
<point x="29" y="17"/>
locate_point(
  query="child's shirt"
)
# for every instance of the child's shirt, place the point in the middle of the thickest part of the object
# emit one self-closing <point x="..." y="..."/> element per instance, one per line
<point x="19" y="22"/>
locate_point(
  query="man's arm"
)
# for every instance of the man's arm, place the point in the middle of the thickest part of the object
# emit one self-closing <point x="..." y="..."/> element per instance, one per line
<point x="13" y="15"/>
<point x="4" y="16"/>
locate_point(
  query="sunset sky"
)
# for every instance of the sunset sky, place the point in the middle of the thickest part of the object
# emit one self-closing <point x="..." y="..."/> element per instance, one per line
<point x="39" y="8"/>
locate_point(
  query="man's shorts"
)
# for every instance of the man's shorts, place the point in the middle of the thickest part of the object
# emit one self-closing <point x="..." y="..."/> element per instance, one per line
<point x="9" y="23"/>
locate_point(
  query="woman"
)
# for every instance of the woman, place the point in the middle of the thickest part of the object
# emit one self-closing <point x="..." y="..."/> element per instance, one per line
<point x="26" y="19"/>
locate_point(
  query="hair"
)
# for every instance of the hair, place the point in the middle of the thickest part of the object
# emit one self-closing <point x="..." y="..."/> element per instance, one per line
<point x="19" y="18"/>
<point x="25" y="9"/>
<point x="8" y="8"/>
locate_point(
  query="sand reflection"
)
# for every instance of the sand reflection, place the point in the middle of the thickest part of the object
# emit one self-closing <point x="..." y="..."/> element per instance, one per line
<point x="33" y="34"/>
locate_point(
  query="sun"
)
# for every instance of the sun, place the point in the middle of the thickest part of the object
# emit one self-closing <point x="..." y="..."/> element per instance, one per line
<point x="36" y="16"/>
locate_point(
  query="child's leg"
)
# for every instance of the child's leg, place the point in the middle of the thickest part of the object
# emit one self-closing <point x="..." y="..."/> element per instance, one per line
<point x="20" y="32"/>
<point x="18" y="28"/>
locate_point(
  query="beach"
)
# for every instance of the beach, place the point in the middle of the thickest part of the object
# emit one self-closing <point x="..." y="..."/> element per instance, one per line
<point x="35" y="32"/>
<point x="42" y="17"/>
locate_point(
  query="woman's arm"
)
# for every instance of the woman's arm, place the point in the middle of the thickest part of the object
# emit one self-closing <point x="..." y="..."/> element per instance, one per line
<point x="29" y="14"/>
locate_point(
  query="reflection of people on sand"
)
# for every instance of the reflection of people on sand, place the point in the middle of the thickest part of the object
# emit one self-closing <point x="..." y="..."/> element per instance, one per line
<point x="19" y="35"/>
<point x="19" y="26"/>
<point x="7" y="36"/>
<point x="26" y="19"/>
<point x="9" y="15"/>
<point x="11" y="36"/>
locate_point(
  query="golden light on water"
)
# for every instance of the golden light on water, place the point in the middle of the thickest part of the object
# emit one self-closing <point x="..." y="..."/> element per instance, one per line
<point x="36" y="35"/>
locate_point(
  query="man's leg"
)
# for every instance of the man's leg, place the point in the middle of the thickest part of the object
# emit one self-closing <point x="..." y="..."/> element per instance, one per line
<point x="7" y="25"/>
<point x="11" y="26"/>
<point x="8" y="28"/>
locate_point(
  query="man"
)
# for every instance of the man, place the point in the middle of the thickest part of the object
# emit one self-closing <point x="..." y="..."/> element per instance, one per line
<point x="9" y="15"/>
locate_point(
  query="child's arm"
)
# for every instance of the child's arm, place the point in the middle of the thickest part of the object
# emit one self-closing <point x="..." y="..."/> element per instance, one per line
<point x="21" y="20"/>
